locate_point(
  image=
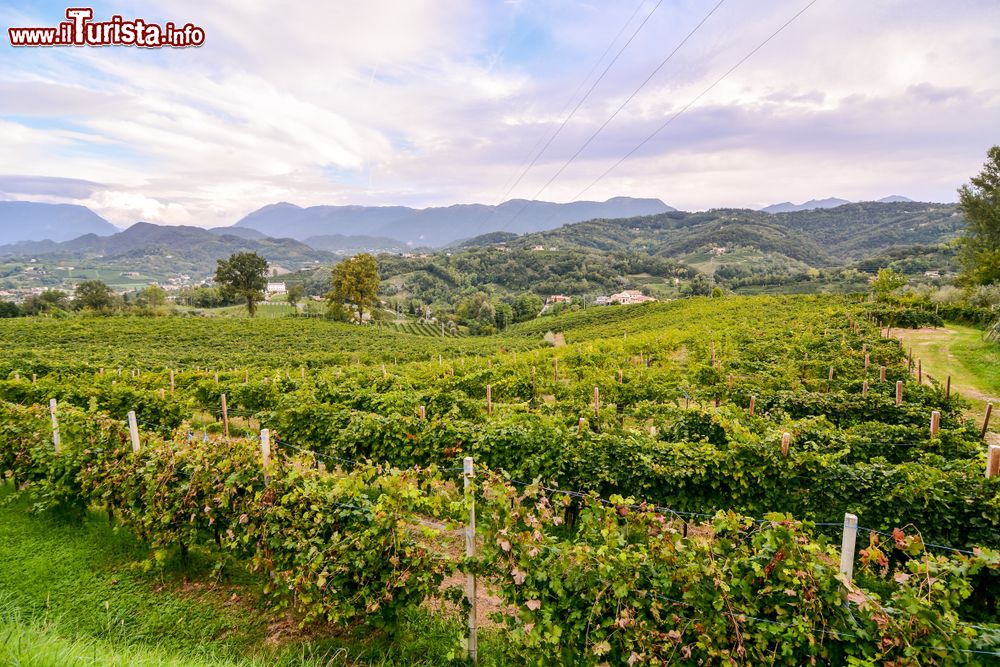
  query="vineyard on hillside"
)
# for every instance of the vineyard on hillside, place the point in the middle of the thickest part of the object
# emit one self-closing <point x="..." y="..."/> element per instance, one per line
<point x="670" y="485"/>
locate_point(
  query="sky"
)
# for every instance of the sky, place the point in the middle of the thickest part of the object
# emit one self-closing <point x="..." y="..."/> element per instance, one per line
<point x="438" y="102"/>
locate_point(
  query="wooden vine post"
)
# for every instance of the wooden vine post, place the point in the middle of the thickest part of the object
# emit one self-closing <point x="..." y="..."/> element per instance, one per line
<point x="786" y="438"/>
<point x="225" y="417"/>
<point x="920" y="371"/>
<point x="423" y="413"/>
<point x="470" y="552"/>
<point x="597" y="402"/>
<point x="171" y="381"/>
<point x="986" y="420"/>
<point x="580" y="424"/>
<point x="935" y="423"/>
<point x="489" y="399"/>
<point x="847" y="546"/>
<point x="753" y="405"/>
<point x="55" y="424"/>
<point x="864" y="388"/>
<point x="993" y="462"/>
<point x="265" y="452"/>
<point x="868" y="361"/>
<point x="881" y="374"/>
<point x="133" y="431"/>
<point x="162" y="393"/>
<point x="947" y="388"/>
<point x="899" y="393"/>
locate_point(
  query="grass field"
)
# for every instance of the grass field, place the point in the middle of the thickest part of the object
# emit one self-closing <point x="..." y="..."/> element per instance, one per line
<point x="963" y="353"/>
<point x="80" y="595"/>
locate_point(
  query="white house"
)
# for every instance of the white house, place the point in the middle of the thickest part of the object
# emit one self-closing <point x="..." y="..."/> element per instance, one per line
<point x="630" y="296"/>
<point x="276" y="288"/>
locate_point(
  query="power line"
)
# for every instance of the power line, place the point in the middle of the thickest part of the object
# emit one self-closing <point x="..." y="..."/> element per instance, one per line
<point x="623" y="104"/>
<point x="569" y="100"/>
<point x="579" y="103"/>
<point x="696" y="98"/>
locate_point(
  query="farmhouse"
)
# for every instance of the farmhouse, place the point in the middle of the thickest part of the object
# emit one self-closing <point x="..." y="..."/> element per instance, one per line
<point x="630" y="296"/>
<point x="276" y="288"/>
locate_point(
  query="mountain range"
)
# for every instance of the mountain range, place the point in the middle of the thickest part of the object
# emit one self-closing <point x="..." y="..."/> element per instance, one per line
<point x="830" y="202"/>
<point x="174" y="248"/>
<point x="817" y="237"/>
<point x="348" y="229"/>
<point x="438" y="226"/>
<point x="36" y="221"/>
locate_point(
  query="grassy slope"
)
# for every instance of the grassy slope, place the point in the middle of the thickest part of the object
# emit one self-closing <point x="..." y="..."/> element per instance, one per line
<point x="959" y="351"/>
<point x="74" y="595"/>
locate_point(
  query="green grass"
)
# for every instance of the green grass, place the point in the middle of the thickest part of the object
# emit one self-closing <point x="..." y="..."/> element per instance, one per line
<point x="78" y="595"/>
<point x="963" y="353"/>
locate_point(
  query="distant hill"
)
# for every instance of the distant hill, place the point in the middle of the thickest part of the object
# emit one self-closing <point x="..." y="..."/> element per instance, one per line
<point x="343" y="244"/>
<point x="36" y="221"/>
<point x="817" y="237"/>
<point x="831" y="202"/>
<point x="177" y="249"/>
<point x="438" y="226"/>
<point x="789" y="207"/>
<point x="242" y="232"/>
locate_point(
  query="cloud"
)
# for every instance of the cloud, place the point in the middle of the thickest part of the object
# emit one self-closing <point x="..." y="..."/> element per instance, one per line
<point x="31" y="186"/>
<point x="433" y="102"/>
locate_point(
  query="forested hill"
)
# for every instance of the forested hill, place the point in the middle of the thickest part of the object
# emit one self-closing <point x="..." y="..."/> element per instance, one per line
<point x="818" y="237"/>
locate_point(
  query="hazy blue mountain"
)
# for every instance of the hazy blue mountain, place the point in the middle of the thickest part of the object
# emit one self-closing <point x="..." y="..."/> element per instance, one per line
<point x="438" y="226"/>
<point x="36" y="221"/>
<point x="169" y="248"/>
<point x="894" y="199"/>
<point x="789" y="207"/>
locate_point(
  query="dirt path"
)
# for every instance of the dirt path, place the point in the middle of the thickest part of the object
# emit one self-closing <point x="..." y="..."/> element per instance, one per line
<point x="936" y="349"/>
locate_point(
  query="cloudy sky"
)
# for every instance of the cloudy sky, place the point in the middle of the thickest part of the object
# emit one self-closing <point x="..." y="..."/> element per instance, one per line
<point x="435" y="102"/>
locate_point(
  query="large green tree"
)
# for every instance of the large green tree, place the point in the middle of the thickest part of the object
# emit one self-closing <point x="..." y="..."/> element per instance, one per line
<point x="979" y="201"/>
<point x="244" y="275"/>
<point x="886" y="282"/>
<point x="355" y="282"/>
<point x="93" y="294"/>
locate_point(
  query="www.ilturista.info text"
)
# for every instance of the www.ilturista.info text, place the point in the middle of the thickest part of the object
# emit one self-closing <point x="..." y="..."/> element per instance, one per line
<point x="81" y="30"/>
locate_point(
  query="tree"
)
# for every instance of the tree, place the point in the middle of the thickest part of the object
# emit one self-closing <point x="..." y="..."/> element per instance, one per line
<point x="527" y="306"/>
<point x="152" y="296"/>
<point x="886" y="282"/>
<point x="93" y="294"/>
<point x="700" y="285"/>
<point x="244" y="275"/>
<point x="355" y="282"/>
<point x="8" y="309"/>
<point x="49" y="301"/>
<point x="504" y="316"/>
<point x="979" y="201"/>
<point x="295" y="293"/>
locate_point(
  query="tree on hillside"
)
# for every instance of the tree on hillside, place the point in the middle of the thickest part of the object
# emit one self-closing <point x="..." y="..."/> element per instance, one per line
<point x="93" y="294"/>
<point x="886" y="282"/>
<point x="355" y="282"/>
<point x="979" y="201"/>
<point x="527" y="306"/>
<point x="295" y="293"/>
<point x="244" y="275"/>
